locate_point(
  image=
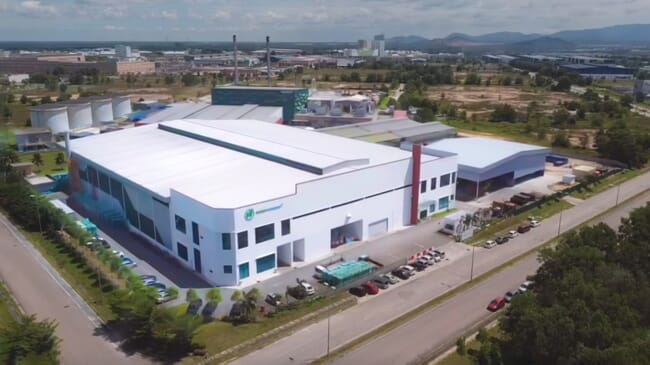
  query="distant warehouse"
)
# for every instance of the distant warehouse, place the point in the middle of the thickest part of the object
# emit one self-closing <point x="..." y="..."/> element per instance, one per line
<point x="600" y="71"/>
<point x="486" y="165"/>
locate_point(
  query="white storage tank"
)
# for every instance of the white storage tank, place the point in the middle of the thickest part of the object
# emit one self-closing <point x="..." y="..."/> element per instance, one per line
<point x="102" y="110"/>
<point x="52" y="116"/>
<point x="80" y="114"/>
<point x="121" y="106"/>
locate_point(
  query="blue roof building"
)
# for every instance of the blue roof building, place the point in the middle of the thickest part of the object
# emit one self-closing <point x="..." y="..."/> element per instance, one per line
<point x="486" y="164"/>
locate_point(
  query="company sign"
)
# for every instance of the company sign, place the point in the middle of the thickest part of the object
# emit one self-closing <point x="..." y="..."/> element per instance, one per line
<point x="250" y="213"/>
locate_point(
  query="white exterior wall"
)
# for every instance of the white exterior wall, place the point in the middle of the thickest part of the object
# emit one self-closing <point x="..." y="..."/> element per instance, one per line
<point x="355" y="188"/>
<point x="80" y="116"/>
<point x="121" y="107"/>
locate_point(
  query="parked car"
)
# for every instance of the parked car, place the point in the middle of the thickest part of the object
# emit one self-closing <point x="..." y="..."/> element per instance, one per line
<point x="163" y="296"/>
<point x="433" y="257"/>
<point x="97" y="242"/>
<point x="370" y="287"/>
<point x="148" y="279"/>
<point x="523" y="228"/>
<point x="157" y="285"/>
<point x="534" y="223"/>
<point x="442" y="254"/>
<point x="358" y="291"/>
<point x="419" y="266"/>
<point x="273" y="299"/>
<point x="496" y="304"/>
<point x="511" y="294"/>
<point x="489" y="244"/>
<point x="401" y="273"/>
<point x="501" y="240"/>
<point x="409" y="269"/>
<point x="525" y="286"/>
<point x="128" y="262"/>
<point x="309" y="290"/>
<point x="512" y="234"/>
<point x="381" y="282"/>
<point x="391" y="279"/>
<point x="118" y="253"/>
<point x="425" y="260"/>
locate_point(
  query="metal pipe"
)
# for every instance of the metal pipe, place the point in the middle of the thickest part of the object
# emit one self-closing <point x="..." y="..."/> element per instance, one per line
<point x="234" y="46"/>
<point x="268" y="60"/>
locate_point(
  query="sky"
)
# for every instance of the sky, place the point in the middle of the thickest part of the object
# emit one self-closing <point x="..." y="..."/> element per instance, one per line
<point x="300" y="20"/>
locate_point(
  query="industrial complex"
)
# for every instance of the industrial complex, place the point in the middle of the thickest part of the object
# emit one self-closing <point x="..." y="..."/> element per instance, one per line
<point x="235" y="199"/>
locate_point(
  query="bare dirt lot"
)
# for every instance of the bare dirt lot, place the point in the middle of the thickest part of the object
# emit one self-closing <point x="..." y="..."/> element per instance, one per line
<point x="483" y="98"/>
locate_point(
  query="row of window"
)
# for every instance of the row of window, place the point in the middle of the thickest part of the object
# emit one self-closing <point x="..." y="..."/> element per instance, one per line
<point x="262" y="234"/>
<point x="445" y="180"/>
<point x="443" y="204"/>
<point x="262" y="264"/>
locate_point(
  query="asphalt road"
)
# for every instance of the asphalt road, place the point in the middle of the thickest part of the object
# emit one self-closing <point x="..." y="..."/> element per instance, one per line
<point x="434" y="329"/>
<point x="310" y="343"/>
<point x="40" y="290"/>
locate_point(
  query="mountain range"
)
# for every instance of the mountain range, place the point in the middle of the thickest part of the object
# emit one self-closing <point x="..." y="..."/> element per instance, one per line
<point x="617" y="35"/>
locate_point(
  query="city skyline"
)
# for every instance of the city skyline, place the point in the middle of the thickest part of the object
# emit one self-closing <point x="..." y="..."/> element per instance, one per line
<point x="293" y="21"/>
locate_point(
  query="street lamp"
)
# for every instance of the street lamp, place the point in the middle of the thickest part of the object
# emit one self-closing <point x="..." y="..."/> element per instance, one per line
<point x="559" y="224"/>
<point x="471" y="273"/>
<point x="618" y="191"/>
<point x="38" y="212"/>
<point x="329" y="316"/>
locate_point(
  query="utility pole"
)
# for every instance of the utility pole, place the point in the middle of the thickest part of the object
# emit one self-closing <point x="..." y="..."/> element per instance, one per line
<point x="618" y="191"/>
<point x="471" y="273"/>
<point x="329" y="316"/>
<point x="559" y="224"/>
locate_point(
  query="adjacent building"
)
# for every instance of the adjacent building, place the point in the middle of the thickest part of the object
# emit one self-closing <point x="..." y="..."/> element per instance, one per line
<point x="235" y="200"/>
<point x="600" y="71"/>
<point x="292" y="100"/>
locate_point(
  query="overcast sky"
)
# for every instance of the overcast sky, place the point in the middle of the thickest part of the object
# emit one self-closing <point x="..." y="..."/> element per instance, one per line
<point x="301" y="20"/>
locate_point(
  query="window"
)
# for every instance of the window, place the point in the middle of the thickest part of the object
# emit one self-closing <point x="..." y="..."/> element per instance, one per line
<point x="225" y="241"/>
<point x="433" y="183"/>
<point x="182" y="251"/>
<point x="452" y="197"/>
<point x="265" y="263"/>
<point x="453" y="177"/>
<point x="423" y="186"/>
<point x="443" y="203"/>
<point x="444" y="180"/>
<point x="227" y="269"/>
<point x="180" y="223"/>
<point x="104" y="183"/>
<point x="286" y="227"/>
<point x="264" y="233"/>
<point x="244" y="271"/>
<point x="195" y="233"/>
<point x="423" y="214"/>
<point x="242" y="239"/>
<point x="432" y="208"/>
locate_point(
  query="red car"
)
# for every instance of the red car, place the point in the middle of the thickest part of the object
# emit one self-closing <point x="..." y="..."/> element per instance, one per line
<point x="496" y="304"/>
<point x="370" y="288"/>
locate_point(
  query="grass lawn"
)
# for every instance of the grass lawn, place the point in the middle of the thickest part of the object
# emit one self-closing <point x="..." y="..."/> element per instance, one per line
<point x="218" y="335"/>
<point x="502" y="226"/>
<point x="513" y="131"/>
<point x="456" y="359"/>
<point x="5" y="313"/>
<point x="607" y="183"/>
<point x="80" y="277"/>
<point x="49" y="162"/>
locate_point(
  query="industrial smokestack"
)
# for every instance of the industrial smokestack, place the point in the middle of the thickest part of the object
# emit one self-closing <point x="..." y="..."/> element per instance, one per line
<point x="234" y="45"/>
<point x="67" y="144"/>
<point x="268" y="59"/>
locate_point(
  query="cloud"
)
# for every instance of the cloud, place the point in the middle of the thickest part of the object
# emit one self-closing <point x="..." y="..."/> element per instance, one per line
<point x="36" y="9"/>
<point x="113" y="27"/>
<point x="165" y="14"/>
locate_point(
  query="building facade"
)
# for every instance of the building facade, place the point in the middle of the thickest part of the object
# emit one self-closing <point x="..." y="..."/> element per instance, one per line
<point x="252" y="197"/>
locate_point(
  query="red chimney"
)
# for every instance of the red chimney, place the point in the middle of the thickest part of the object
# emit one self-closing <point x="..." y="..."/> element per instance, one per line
<point x="415" y="183"/>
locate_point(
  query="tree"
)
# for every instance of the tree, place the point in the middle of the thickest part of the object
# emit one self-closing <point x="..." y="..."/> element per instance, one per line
<point x="37" y="159"/>
<point x="248" y="301"/>
<point x="11" y="98"/>
<point x="425" y="115"/>
<point x="563" y="84"/>
<point x="28" y="336"/>
<point x="561" y="117"/>
<point x="60" y="159"/>
<point x="561" y="140"/>
<point x="504" y="113"/>
<point x="189" y="79"/>
<point x="506" y="81"/>
<point x="626" y="101"/>
<point x="621" y="144"/>
<point x="7" y="157"/>
<point x="23" y="99"/>
<point x="213" y="296"/>
<point x="191" y="296"/>
<point x="46" y="100"/>
<point x="461" y="347"/>
<point x="63" y="88"/>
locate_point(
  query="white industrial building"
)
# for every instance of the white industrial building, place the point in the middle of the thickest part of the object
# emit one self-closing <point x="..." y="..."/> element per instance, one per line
<point x="81" y="113"/>
<point x="233" y="200"/>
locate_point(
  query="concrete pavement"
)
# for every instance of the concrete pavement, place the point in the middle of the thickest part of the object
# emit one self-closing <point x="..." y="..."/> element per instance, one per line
<point x="434" y="329"/>
<point x="310" y="343"/>
<point x="40" y="290"/>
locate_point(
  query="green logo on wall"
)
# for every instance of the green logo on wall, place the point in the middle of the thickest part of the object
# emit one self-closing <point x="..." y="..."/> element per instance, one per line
<point x="249" y="214"/>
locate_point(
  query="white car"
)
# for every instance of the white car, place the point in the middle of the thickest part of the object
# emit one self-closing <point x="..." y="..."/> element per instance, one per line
<point x="525" y="286"/>
<point x="489" y="244"/>
<point x="513" y="234"/>
<point x="534" y="223"/>
<point x="309" y="290"/>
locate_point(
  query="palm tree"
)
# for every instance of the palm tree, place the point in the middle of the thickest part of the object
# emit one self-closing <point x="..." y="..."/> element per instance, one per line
<point x="37" y="159"/>
<point x="60" y="159"/>
<point x="213" y="296"/>
<point x="248" y="301"/>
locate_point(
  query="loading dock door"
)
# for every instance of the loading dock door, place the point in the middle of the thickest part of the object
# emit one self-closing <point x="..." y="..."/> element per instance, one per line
<point x="377" y="228"/>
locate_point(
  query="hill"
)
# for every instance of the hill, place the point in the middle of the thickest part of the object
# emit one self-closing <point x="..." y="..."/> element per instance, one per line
<point x="541" y="44"/>
<point x="617" y="34"/>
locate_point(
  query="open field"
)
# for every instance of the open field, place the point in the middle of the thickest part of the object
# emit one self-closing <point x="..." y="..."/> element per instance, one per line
<point x="49" y="162"/>
<point x="483" y="98"/>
